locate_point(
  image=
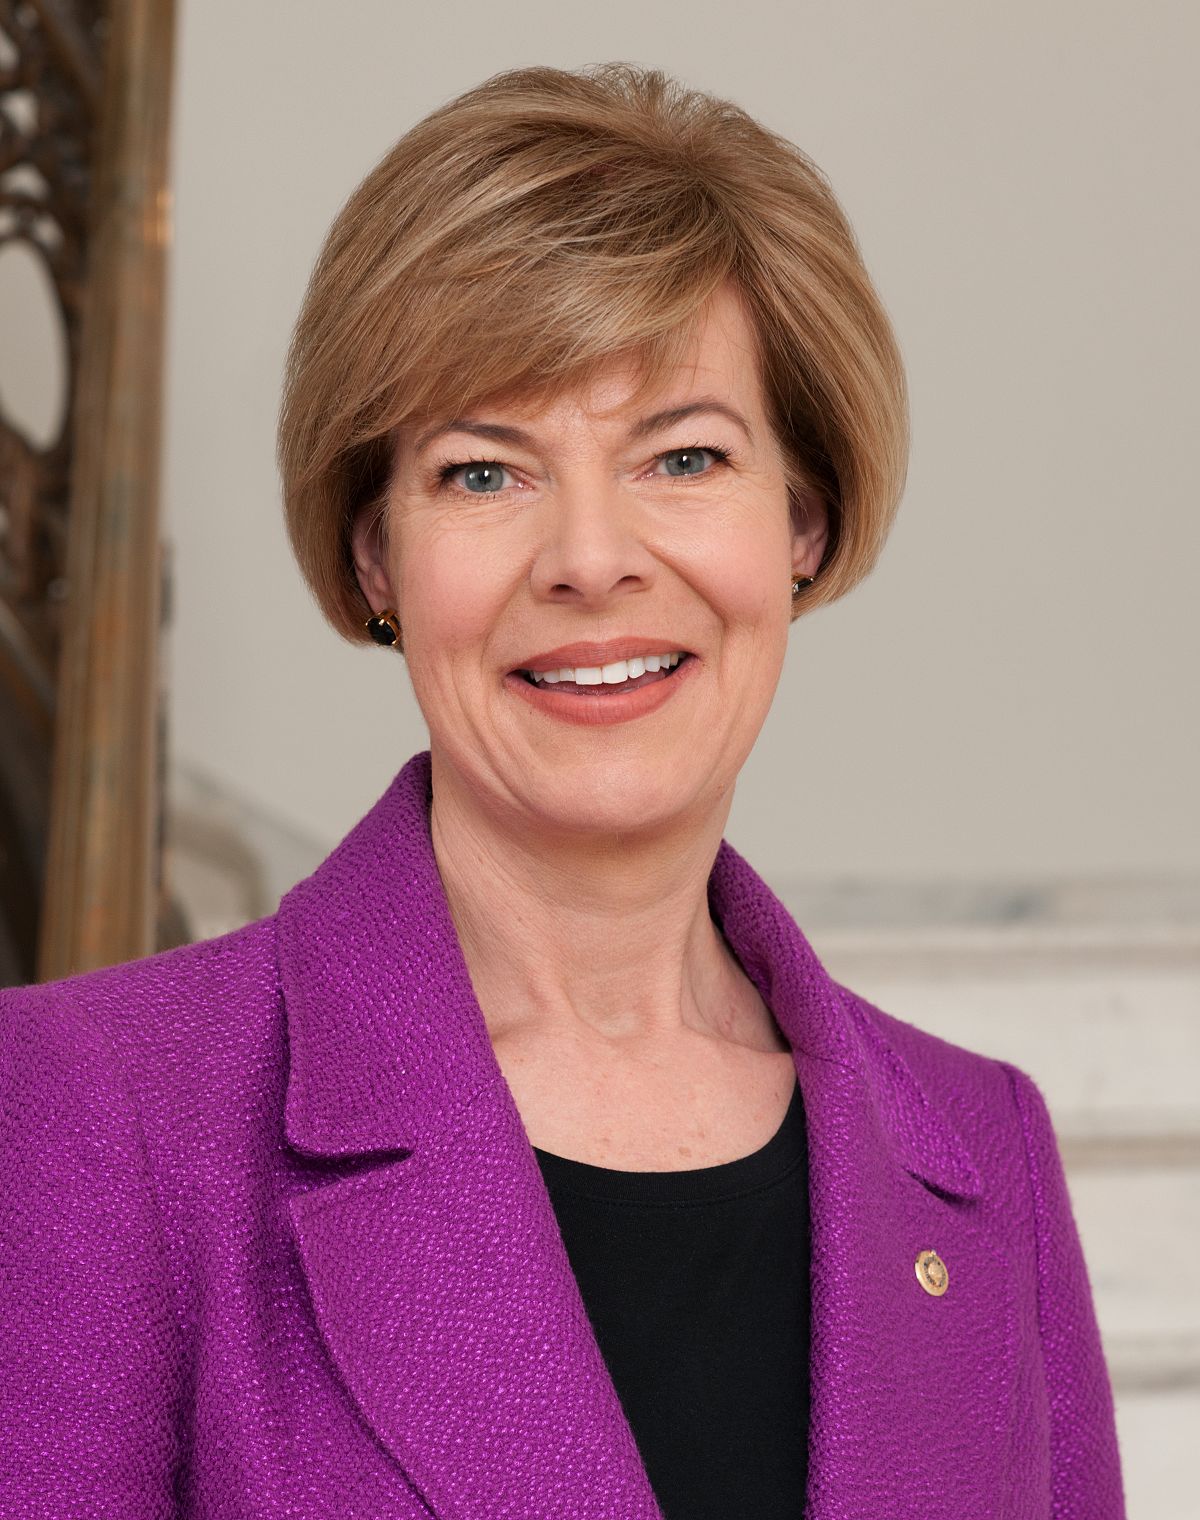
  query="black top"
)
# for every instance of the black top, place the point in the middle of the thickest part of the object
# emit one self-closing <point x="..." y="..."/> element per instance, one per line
<point x="697" y="1287"/>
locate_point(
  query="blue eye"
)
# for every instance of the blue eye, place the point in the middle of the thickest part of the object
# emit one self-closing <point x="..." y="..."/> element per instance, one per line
<point x="487" y="475"/>
<point x="691" y="458"/>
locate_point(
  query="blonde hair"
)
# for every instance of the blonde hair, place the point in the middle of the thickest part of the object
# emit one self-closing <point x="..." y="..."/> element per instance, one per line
<point x="540" y="225"/>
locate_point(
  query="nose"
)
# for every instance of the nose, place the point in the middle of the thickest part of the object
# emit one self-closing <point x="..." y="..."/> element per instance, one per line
<point x="593" y="545"/>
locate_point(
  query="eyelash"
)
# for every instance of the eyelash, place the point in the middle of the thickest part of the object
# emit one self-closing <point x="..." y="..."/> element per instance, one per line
<point x="452" y="467"/>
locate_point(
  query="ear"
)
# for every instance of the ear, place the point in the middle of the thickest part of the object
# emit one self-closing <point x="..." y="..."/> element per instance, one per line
<point x="368" y="544"/>
<point x="810" y="535"/>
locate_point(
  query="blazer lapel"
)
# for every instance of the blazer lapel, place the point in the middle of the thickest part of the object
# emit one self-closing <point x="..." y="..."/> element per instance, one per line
<point x="437" y="1274"/>
<point x="443" y="1292"/>
<point x="910" y="1393"/>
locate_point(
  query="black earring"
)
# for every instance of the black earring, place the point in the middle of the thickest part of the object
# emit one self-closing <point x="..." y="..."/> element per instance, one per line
<point x="384" y="627"/>
<point x="799" y="585"/>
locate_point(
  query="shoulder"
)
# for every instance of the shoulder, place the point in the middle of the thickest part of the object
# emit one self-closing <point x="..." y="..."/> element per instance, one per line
<point x="148" y="1091"/>
<point x="153" y="1019"/>
<point x="942" y="1067"/>
<point x="995" y="1106"/>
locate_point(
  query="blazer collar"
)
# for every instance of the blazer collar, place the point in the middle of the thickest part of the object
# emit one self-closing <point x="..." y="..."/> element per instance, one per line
<point x="387" y="1041"/>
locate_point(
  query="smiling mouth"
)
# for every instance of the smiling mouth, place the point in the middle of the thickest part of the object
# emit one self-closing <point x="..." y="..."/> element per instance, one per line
<point x="605" y="688"/>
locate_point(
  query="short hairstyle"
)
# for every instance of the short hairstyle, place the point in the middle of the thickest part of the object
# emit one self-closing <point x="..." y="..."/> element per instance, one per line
<point x="546" y="222"/>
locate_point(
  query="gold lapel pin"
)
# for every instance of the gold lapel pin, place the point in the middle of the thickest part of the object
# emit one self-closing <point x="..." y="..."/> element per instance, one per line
<point x="932" y="1273"/>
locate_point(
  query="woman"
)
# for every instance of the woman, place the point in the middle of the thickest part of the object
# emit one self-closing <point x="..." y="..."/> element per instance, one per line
<point x="527" y="1162"/>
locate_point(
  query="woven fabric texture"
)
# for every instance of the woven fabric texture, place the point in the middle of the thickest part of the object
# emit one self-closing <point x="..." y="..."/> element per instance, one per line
<point x="274" y="1242"/>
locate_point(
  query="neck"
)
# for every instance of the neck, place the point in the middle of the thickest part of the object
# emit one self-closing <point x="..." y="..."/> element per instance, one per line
<point x="601" y="938"/>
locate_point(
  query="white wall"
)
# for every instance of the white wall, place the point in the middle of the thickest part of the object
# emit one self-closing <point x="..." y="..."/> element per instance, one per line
<point x="1010" y="691"/>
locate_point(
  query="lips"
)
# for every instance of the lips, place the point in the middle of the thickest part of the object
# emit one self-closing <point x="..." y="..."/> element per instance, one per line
<point x="601" y="705"/>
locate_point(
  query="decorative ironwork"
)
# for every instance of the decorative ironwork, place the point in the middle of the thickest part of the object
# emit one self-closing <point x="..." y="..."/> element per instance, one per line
<point x="51" y="55"/>
<point x="51" y="67"/>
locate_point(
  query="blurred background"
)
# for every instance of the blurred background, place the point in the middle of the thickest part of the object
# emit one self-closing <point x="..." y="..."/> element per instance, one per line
<point x="976" y="790"/>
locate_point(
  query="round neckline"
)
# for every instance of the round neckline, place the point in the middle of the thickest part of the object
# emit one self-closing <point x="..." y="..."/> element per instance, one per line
<point x="762" y="1167"/>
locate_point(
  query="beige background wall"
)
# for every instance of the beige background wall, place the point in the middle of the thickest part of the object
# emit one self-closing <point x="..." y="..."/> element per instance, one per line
<point x="1011" y="692"/>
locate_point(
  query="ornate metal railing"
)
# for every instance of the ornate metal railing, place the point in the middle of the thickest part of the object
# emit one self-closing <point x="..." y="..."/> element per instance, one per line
<point x="84" y="117"/>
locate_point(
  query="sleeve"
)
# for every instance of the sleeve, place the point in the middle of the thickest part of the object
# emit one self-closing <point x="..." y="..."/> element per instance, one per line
<point x="89" y="1338"/>
<point x="1085" y="1464"/>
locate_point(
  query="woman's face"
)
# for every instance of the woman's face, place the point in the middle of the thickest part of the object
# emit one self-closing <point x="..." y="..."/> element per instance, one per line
<point x="516" y="532"/>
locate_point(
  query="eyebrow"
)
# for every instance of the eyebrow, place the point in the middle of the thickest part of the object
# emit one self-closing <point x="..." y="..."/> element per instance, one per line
<point x="501" y="433"/>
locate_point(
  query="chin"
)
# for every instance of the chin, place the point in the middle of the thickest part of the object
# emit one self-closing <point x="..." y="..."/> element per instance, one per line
<point x="604" y="798"/>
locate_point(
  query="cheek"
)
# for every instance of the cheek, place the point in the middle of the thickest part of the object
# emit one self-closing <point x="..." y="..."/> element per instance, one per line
<point x="746" y="582"/>
<point x="450" y="603"/>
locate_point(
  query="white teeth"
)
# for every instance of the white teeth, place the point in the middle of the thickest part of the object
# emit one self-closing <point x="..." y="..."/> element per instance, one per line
<point x="608" y="675"/>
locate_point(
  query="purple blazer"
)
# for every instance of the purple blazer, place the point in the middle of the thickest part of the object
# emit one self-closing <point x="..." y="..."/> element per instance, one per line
<point x="274" y="1242"/>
